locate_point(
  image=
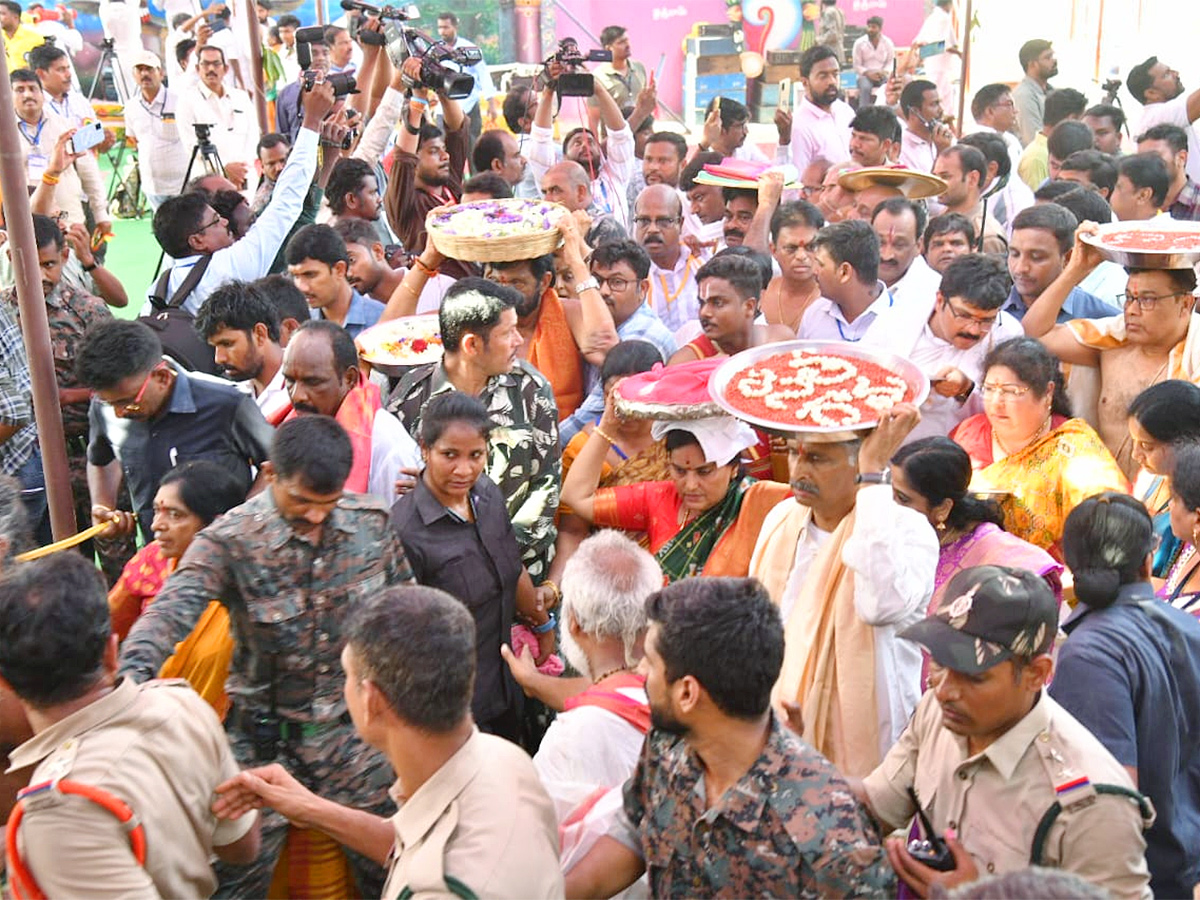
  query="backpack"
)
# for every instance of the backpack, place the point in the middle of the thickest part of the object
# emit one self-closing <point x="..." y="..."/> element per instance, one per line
<point x="176" y="326"/>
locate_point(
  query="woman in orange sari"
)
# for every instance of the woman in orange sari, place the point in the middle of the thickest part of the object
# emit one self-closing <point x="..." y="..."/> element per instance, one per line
<point x="1028" y="451"/>
<point x="705" y="519"/>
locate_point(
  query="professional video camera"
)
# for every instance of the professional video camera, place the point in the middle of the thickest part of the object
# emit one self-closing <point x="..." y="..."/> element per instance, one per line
<point x="574" y="83"/>
<point x="403" y="41"/>
<point x="342" y="82"/>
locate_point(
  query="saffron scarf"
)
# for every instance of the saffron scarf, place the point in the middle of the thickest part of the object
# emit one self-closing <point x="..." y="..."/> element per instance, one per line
<point x="829" y="655"/>
<point x="357" y="416"/>
<point x="553" y="353"/>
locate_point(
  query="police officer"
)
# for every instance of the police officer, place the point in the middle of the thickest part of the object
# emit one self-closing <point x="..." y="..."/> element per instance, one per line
<point x="290" y="565"/>
<point x="988" y="752"/>
<point x="104" y="749"/>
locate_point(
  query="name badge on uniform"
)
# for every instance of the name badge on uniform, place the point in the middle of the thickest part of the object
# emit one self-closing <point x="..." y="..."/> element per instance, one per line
<point x="37" y="167"/>
<point x="170" y="132"/>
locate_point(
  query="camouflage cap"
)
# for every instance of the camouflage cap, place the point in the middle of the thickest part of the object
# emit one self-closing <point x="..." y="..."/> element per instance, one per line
<point x="988" y="614"/>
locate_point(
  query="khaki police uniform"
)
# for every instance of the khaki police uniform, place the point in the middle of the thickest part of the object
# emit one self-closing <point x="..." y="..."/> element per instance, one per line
<point x="159" y="748"/>
<point x="995" y="799"/>
<point x="482" y="822"/>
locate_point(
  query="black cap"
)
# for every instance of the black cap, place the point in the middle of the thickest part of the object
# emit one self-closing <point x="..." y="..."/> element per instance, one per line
<point x="1139" y="80"/>
<point x="988" y="614"/>
<point x="1031" y="50"/>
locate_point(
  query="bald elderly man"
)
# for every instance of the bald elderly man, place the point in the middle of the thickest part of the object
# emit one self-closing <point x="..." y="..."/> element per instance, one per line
<point x="568" y="183"/>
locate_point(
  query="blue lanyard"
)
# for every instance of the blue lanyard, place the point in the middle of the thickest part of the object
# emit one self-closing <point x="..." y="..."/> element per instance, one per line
<point x="33" y="141"/>
<point x="838" y="323"/>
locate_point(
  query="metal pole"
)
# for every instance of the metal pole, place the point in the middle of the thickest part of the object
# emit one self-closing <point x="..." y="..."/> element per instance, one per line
<point x="320" y="4"/>
<point x="966" y="65"/>
<point x="256" y="64"/>
<point x="34" y="326"/>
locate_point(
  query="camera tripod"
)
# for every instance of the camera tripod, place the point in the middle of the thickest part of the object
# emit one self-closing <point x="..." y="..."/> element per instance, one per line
<point x="206" y="151"/>
<point x="1111" y="87"/>
<point x="109" y="57"/>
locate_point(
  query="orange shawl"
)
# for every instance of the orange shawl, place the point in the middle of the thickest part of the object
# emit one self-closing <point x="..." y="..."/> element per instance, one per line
<point x="553" y="353"/>
<point x="357" y="416"/>
<point x="829" y="656"/>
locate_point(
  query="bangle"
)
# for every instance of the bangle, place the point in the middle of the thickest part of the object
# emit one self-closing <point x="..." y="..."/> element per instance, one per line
<point x="599" y="431"/>
<point x="548" y="625"/>
<point x="93" y="266"/>
<point x="419" y="263"/>
<point x="411" y="128"/>
<point x="47" y="178"/>
<point x="554" y="587"/>
<point x="588" y="284"/>
<point x="413" y="98"/>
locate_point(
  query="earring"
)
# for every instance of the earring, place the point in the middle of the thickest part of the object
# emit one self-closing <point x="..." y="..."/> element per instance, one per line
<point x="940" y="526"/>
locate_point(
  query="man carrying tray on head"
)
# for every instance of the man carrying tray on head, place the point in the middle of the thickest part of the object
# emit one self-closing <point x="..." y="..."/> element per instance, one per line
<point x="846" y="585"/>
<point x="1153" y="340"/>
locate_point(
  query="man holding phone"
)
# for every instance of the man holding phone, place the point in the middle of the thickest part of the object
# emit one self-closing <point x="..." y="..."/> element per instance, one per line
<point x="988" y="751"/>
<point x="40" y="129"/>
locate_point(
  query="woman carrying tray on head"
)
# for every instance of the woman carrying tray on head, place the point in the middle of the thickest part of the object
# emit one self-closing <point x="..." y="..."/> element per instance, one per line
<point x="705" y="519"/>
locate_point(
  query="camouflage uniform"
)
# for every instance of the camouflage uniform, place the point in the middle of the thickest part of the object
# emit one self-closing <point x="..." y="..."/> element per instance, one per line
<point x="287" y="599"/>
<point x="70" y="312"/>
<point x="789" y="828"/>
<point x="524" y="457"/>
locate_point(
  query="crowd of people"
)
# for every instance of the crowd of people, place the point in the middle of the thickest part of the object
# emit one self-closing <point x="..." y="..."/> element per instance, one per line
<point x="477" y="627"/>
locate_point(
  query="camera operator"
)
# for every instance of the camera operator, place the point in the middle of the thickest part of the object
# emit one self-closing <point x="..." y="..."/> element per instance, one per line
<point x="428" y="168"/>
<point x="228" y="111"/>
<point x="150" y="121"/>
<point x="484" y="89"/>
<point x="189" y="229"/>
<point x="609" y="173"/>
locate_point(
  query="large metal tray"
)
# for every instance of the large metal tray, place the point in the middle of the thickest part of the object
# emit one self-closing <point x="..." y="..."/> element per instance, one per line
<point x="917" y="381"/>
<point x="1137" y="259"/>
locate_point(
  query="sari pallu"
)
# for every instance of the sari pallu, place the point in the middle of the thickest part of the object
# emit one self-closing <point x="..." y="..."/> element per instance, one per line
<point x="1044" y="481"/>
<point x="717" y="542"/>
<point x="1155" y="491"/>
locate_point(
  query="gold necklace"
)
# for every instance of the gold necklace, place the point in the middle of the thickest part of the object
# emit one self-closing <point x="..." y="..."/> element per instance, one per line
<point x="1042" y="429"/>
<point x="779" y="308"/>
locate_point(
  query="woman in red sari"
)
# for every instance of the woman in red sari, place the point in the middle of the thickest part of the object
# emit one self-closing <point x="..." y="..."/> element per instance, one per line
<point x="705" y="519"/>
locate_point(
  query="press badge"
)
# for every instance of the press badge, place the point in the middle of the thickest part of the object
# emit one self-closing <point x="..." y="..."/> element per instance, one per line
<point x="169" y="130"/>
<point x="37" y="167"/>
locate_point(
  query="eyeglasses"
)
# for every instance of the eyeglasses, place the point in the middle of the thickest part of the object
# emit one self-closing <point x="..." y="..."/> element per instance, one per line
<point x="662" y="223"/>
<point x="1147" y="303"/>
<point x="808" y="191"/>
<point x="135" y="405"/>
<point x="1004" y="391"/>
<point x="204" y="228"/>
<point x="616" y="282"/>
<point x="984" y="324"/>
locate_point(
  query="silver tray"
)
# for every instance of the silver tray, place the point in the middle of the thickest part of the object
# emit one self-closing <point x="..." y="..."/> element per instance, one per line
<point x="1142" y="259"/>
<point x="719" y="380"/>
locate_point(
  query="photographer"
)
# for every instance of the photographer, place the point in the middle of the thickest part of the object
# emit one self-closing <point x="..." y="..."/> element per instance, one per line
<point x="428" y="168"/>
<point x="288" y="112"/>
<point x="228" y="112"/>
<point x="609" y="173"/>
<point x="189" y="230"/>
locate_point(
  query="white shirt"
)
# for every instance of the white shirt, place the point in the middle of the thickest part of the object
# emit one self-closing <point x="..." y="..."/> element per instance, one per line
<point x="674" y="296"/>
<point x="1174" y="112"/>
<point x="274" y="398"/>
<point x="162" y="156"/>
<point x="1107" y="281"/>
<point x="78" y="183"/>
<point x="392" y="449"/>
<point x="869" y="56"/>
<point x="610" y="185"/>
<point x="824" y="321"/>
<point x="749" y="151"/>
<point x="818" y="134"/>
<point x="74" y="107"/>
<point x="710" y="236"/>
<point x="232" y="117"/>
<point x="251" y="257"/>
<point x="892" y="555"/>
<point x="586" y="748"/>
<point x="916" y="152"/>
<point x="291" y="65"/>
<point x="227" y="40"/>
<point x="917" y="288"/>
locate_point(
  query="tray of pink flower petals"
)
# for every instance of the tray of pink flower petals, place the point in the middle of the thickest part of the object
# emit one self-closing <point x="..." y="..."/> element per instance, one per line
<point x="496" y="230"/>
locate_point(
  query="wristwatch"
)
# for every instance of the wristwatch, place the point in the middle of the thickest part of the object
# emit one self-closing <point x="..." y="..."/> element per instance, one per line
<point x="586" y="285"/>
<point x="884" y="477"/>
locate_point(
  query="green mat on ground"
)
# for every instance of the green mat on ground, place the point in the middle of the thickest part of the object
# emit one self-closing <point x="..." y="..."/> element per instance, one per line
<point x="132" y="253"/>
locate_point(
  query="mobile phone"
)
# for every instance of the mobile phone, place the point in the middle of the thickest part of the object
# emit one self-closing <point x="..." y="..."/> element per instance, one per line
<point x="893" y="67"/>
<point x="87" y="137"/>
<point x="785" y="95"/>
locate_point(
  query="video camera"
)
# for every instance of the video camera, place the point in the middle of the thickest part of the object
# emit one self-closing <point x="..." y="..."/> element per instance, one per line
<point x="342" y="82"/>
<point x="573" y="83"/>
<point x="403" y="41"/>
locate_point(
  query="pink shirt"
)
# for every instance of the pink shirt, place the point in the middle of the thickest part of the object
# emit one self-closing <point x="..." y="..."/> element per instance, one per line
<point x="818" y="133"/>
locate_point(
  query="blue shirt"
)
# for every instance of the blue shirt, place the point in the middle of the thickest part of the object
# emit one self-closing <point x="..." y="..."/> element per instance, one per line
<point x="643" y="325"/>
<point x="362" y="314"/>
<point x="1131" y="675"/>
<point x="1079" y="305"/>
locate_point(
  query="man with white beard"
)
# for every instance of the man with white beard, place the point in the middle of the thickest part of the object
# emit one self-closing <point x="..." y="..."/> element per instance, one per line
<point x="597" y="738"/>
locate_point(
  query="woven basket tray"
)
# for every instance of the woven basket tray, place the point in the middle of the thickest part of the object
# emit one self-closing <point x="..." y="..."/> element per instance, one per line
<point x="489" y="248"/>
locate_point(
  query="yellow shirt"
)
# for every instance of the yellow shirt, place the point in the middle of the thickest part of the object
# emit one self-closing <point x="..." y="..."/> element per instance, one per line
<point x="19" y="44"/>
